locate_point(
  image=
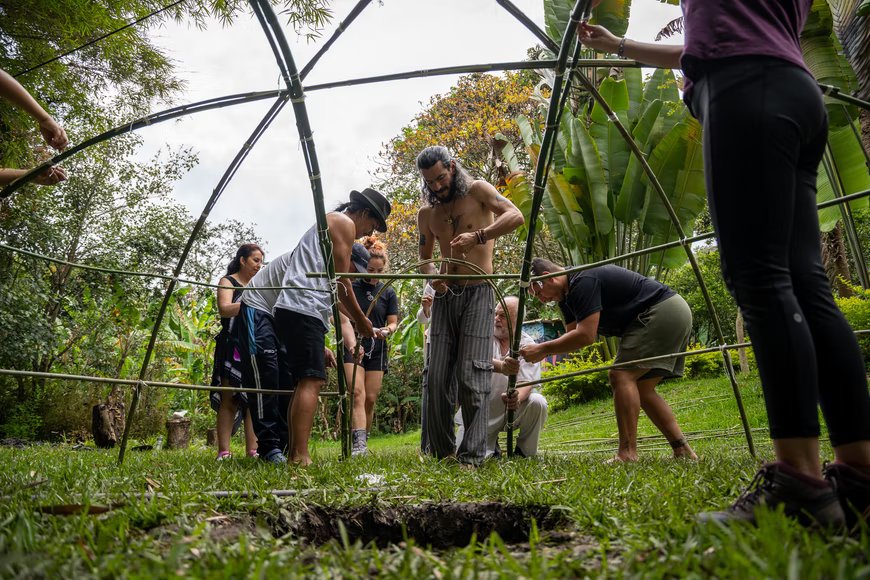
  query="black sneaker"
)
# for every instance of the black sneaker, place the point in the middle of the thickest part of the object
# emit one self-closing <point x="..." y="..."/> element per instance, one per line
<point x="774" y="486"/>
<point x="852" y="489"/>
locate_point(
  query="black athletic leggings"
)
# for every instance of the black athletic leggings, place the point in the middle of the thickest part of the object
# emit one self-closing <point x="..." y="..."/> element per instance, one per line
<point x="765" y="128"/>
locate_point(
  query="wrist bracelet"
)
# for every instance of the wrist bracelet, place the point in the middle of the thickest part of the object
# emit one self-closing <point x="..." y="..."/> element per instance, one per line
<point x="620" y="50"/>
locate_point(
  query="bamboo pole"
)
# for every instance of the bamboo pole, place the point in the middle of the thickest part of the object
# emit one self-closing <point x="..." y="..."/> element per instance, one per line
<point x="651" y="359"/>
<point x="148" y="120"/>
<point x="830" y="166"/>
<point x="237" y="99"/>
<point x="418" y="276"/>
<point x="170" y="287"/>
<point x="697" y="238"/>
<point x="541" y="170"/>
<point x="297" y="97"/>
<point x="342" y="26"/>
<point x="133" y="382"/>
<point x="593" y="90"/>
<point x="458" y="70"/>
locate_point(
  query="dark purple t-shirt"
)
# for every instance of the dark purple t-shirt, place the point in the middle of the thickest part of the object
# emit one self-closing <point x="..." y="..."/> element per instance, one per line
<point x="717" y="29"/>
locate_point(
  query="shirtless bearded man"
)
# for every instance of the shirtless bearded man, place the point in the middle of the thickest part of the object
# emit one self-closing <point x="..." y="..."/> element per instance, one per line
<point x="464" y="215"/>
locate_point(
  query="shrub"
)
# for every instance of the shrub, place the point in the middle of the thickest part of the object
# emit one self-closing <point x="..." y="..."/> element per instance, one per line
<point x="23" y="422"/>
<point x="707" y="365"/>
<point x="570" y="391"/>
<point x="856" y="309"/>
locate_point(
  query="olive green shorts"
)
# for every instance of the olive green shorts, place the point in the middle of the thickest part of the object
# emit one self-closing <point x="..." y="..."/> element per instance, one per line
<point x="663" y="328"/>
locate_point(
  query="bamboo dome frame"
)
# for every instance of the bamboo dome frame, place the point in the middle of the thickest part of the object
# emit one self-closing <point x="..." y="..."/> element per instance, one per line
<point x="294" y="93"/>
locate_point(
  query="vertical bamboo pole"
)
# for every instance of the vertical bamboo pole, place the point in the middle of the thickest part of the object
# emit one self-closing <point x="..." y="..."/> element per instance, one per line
<point x="830" y="165"/>
<point x="541" y="169"/>
<point x="297" y="99"/>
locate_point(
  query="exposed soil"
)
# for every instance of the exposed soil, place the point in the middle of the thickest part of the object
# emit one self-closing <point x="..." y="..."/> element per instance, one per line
<point x="440" y="525"/>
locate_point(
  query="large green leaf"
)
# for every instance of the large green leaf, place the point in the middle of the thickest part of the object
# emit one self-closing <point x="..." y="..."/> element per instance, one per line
<point x="594" y="190"/>
<point x="556" y="16"/>
<point x="823" y="55"/>
<point x="687" y="197"/>
<point x="611" y="14"/>
<point x="634" y="84"/>
<point x="612" y="147"/>
<point x="666" y="160"/>
<point x="568" y="194"/>
<point x="527" y="132"/>
<point x="554" y="222"/>
<point x="851" y="166"/>
<point x="632" y="195"/>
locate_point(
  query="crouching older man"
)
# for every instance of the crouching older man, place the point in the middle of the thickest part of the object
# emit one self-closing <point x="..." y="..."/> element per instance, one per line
<point x="529" y="406"/>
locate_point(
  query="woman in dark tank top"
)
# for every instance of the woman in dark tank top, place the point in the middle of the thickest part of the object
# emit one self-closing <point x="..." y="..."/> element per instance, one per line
<point x="232" y="408"/>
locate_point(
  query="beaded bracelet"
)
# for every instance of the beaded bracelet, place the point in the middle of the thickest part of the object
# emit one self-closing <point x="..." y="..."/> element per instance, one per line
<point x="620" y="51"/>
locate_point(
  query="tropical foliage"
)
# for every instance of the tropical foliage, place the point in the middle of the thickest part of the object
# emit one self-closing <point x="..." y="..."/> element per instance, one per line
<point x="115" y="211"/>
<point x="600" y="203"/>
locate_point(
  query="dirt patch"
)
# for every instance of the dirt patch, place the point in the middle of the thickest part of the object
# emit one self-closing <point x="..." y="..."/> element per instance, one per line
<point x="440" y="525"/>
<point x="228" y="528"/>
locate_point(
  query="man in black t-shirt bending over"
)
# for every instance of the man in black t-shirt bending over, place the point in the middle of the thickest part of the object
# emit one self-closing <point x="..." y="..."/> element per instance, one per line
<point x="651" y="320"/>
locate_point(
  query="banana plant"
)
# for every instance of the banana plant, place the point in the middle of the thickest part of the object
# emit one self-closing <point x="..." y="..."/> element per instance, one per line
<point x="670" y="139"/>
<point x="600" y="203"/>
<point x="823" y="55"/>
<point x="188" y="337"/>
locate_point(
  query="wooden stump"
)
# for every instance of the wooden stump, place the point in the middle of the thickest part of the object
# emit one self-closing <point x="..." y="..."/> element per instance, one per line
<point x="107" y="420"/>
<point x="211" y="437"/>
<point x="102" y="426"/>
<point x="178" y="433"/>
<point x="117" y="410"/>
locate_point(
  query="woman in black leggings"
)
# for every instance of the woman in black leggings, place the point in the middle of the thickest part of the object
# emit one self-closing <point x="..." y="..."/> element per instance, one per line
<point x="765" y="129"/>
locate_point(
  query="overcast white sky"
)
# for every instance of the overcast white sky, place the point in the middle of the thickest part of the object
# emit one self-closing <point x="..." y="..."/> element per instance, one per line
<point x="271" y="188"/>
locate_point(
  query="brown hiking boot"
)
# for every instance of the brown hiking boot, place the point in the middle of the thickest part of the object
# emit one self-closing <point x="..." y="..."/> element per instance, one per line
<point x="852" y="488"/>
<point x="775" y="484"/>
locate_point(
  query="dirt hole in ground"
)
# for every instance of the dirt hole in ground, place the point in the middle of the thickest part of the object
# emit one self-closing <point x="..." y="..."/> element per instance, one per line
<point x="441" y="525"/>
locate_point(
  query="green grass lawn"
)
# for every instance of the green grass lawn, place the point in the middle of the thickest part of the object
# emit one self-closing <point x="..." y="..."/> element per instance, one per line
<point x="613" y="520"/>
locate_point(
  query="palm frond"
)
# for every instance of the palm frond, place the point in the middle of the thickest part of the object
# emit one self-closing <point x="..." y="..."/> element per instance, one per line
<point x="673" y="27"/>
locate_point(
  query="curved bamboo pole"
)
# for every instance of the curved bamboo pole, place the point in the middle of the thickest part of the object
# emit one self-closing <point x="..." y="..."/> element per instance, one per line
<point x="342" y="26"/>
<point x="153" y="119"/>
<point x="593" y="90"/>
<point x="133" y="383"/>
<point x="170" y="287"/>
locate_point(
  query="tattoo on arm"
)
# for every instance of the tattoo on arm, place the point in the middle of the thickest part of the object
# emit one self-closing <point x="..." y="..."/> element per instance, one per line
<point x="422" y="239"/>
<point x="502" y="198"/>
